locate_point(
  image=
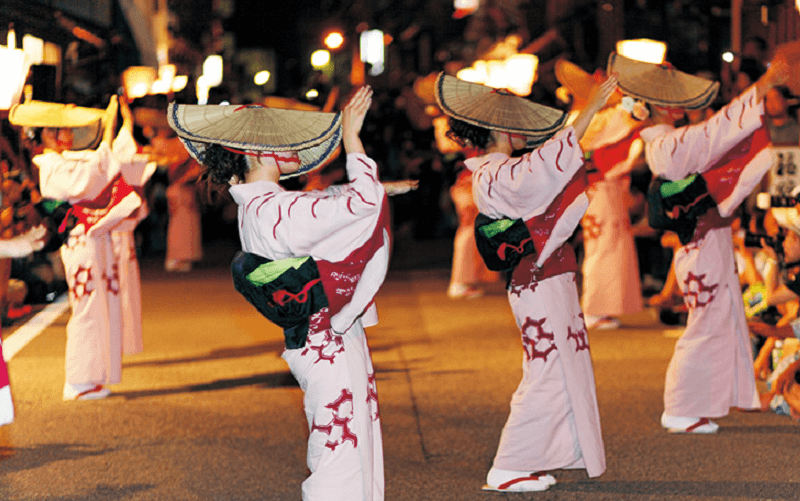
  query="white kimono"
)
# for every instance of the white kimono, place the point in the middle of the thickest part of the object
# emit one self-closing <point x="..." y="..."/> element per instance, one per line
<point x="137" y="171"/>
<point x="712" y="367"/>
<point x="92" y="182"/>
<point x="611" y="284"/>
<point x="554" y="420"/>
<point x="334" y="369"/>
<point x="6" y="403"/>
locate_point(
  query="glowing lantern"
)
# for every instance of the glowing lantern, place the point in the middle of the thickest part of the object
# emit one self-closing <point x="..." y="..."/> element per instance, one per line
<point x="12" y="77"/>
<point x="642" y="49"/>
<point x="137" y="81"/>
<point x="212" y="70"/>
<point x="319" y="58"/>
<point x="166" y="75"/>
<point x="179" y="83"/>
<point x="469" y="75"/>
<point x="33" y="48"/>
<point x="334" y="40"/>
<point x="521" y="73"/>
<point x="464" y="8"/>
<point x="517" y="73"/>
<point x="261" y="77"/>
<point x="372" y="50"/>
<point x="201" y="90"/>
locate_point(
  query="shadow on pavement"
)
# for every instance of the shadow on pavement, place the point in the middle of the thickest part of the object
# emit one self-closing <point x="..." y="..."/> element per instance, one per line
<point x="716" y="490"/>
<point x="225" y="353"/>
<point x="29" y="458"/>
<point x="274" y="380"/>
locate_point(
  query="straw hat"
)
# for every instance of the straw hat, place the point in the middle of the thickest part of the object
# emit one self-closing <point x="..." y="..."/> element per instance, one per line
<point x="496" y="109"/>
<point x="315" y="136"/>
<point x="580" y="83"/>
<point x="661" y="84"/>
<point x="790" y="52"/>
<point x="787" y="217"/>
<point x="87" y="123"/>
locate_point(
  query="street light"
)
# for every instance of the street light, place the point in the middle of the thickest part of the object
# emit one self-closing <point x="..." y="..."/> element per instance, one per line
<point x="261" y="77"/>
<point x="334" y="40"/>
<point x="320" y="58"/>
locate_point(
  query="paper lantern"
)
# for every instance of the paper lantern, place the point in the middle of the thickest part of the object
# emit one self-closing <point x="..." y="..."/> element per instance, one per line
<point x="516" y="74"/>
<point x="643" y="49"/>
<point x="12" y="77"/>
<point x="137" y="81"/>
<point x="521" y="73"/>
<point x="212" y="70"/>
<point x="166" y="75"/>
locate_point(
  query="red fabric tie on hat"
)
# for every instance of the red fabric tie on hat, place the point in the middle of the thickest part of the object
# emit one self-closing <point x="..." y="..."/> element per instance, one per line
<point x="279" y="157"/>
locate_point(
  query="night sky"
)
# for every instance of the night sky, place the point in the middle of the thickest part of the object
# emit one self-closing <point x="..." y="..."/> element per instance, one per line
<point x="275" y="27"/>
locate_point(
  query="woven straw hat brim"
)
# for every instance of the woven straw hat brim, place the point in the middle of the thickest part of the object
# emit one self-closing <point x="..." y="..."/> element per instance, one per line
<point x="314" y="135"/>
<point x="86" y="123"/>
<point x="579" y="83"/>
<point x="495" y="109"/>
<point x="787" y="217"/>
<point x="45" y="114"/>
<point x="662" y="85"/>
<point x="790" y="52"/>
<point x="84" y="138"/>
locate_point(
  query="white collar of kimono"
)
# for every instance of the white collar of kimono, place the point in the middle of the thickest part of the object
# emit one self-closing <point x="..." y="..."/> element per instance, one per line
<point x="651" y="133"/>
<point x="475" y="162"/>
<point x="244" y="192"/>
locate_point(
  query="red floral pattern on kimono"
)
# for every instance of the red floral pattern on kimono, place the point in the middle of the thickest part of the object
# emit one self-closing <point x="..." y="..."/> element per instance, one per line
<point x="554" y="420"/>
<point x="711" y="369"/>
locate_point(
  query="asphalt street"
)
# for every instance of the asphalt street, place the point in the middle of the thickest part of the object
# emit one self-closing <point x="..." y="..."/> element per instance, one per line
<point x="209" y="411"/>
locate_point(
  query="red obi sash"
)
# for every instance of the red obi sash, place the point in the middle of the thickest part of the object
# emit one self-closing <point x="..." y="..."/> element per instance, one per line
<point x="606" y="157"/>
<point x="710" y="220"/>
<point x="340" y="279"/>
<point x="563" y="259"/>
<point x="90" y="212"/>
<point x="723" y="177"/>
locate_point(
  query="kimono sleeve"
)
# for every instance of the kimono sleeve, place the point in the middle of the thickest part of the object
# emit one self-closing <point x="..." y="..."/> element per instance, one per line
<point x="329" y="224"/>
<point x="76" y="176"/>
<point x="523" y="187"/>
<point x="136" y="168"/>
<point x="677" y="153"/>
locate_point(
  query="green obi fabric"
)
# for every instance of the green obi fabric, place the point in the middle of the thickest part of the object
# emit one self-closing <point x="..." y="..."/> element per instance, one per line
<point x="677" y="205"/>
<point x="502" y="243"/>
<point x="287" y="291"/>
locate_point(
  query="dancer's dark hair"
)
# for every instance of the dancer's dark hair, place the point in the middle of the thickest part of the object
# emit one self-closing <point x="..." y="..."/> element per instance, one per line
<point x="467" y="135"/>
<point x="223" y="164"/>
